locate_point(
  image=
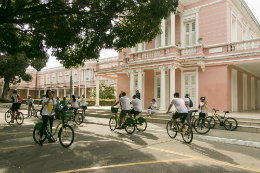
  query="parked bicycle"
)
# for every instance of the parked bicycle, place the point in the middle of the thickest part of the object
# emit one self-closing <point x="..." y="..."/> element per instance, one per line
<point x="184" y="129"/>
<point x="229" y="123"/>
<point x="201" y="125"/>
<point x="65" y="135"/>
<point x="18" y="116"/>
<point x="128" y="123"/>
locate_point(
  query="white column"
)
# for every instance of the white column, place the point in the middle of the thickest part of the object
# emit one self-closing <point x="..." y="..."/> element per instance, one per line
<point x="172" y="29"/>
<point x="27" y="92"/>
<point x="140" y="81"/>
<point x="197" y="28"/>
<point x="79" y="80"/>
<point x="162" y="90"/>
<point x="39" y="93"/>
<point x="58" y="92"/>
<point x="97" y="91"/>
<point x="182" y="32"/>
<point x="44" y="90"/>
<point x="92" y="90"/>
<point x="172" y="84"/>
<point x="85" y="91"/>
<point x="163" y="33"/>
<point x="132" y="83"/>
<point x="64" y="92"/>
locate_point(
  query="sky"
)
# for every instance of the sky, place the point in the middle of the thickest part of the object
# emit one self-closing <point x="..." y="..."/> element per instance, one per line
<point x="253" y="5"/>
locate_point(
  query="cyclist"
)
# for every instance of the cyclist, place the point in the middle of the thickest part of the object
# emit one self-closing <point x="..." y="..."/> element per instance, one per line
<point x="74" y="104"/>
<point x="187" y="104"/>
<point x="203" y="109"/>
<point x="57" y="106"/>
<point x="126" y="108"/>
<point x="47" y="112"/>
<point x="84" y="104"/>
<point x="137" y="106"/>
<point x="181" y="109"/>
<point x="16" y="105"/>
<point x="30" y="103"/>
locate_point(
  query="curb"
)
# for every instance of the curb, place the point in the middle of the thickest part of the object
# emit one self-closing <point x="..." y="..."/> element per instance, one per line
<point x="208" y="138"/>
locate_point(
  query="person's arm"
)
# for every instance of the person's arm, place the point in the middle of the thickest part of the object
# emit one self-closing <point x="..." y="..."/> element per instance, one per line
<point x="169" y="108"/>
<point x="47" y="101"/>
<point x="116" y="103"/>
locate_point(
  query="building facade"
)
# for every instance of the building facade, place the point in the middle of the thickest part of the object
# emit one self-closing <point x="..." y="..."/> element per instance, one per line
<point x="58" y="79"/>
<point x="223" y="66"/>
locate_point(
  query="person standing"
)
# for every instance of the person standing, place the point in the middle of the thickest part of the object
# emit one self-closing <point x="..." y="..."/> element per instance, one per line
<point x="84" y="104"/>
<point x="126" y="108"/>
<point x="47" y="114"/>
<point x="30" y="103"/>
<point x="188" y="104"/>
<point x="15" y="105"/>
<point x="203" y="109"/>
<point x="138" y="95"/>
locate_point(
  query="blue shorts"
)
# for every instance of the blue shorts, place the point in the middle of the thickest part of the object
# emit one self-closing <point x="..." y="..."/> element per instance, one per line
<point x="65" y="108"/>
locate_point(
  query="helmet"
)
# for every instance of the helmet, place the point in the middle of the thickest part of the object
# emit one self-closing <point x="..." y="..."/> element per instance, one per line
<point x="29" y="95"/>
<point x="203" y="98"/>
<point x="43" y="94"/>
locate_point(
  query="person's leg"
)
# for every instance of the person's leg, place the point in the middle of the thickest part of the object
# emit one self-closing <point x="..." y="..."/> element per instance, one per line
<point x="28" y="111"/>
<point x="44" y="125"/>
<point x="12" y="116"/>
<point x="204" y="116"/>
<point x="189" y="117"/>
<point x="122" y="115"/>
<point x="51" y="122"/>
<point x="149" y="112"/>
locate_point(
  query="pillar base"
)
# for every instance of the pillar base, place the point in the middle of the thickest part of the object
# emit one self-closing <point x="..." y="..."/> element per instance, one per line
<point x="162" y="109"/>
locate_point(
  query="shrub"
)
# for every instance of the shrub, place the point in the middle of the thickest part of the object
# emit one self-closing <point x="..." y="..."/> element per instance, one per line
<point x="5" y="101"/>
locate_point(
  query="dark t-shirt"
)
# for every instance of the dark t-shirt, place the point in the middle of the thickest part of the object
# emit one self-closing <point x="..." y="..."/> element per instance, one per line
<point x="138" y="95"/>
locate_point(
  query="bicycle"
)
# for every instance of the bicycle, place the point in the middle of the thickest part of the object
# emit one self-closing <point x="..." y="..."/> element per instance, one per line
<point x="128" y="123"/>
<point x="229" y="123"/>
<point x="18" y="116"/>
<point x="65" y="131"/>
<point x="184" y="129"/>
<point x="201" y="125"/>
<point x="78" y="117"/>
<point x="140" y="123"/>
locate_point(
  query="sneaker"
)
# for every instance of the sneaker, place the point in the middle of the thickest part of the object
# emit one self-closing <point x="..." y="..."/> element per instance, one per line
<point x="174" y="129"/>
<point x="119" y="128"/>
<point x="40" y="142"/>
<point x="51" y="140"/>
<point x="12" y="121"/>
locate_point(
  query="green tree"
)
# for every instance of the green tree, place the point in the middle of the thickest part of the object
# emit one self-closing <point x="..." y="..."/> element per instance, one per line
<point x="38" y="64"/>
<point x="77" y="30"/>
<point x="105" y="92"/>
<point x="12" y="67"/>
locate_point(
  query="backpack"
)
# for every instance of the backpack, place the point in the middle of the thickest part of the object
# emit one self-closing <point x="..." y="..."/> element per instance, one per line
<point x="190" y="104"/>
<point x="19" y="99"/>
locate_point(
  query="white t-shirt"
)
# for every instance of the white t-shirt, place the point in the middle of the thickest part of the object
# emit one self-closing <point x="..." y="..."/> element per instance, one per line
<point x="74" y="104"/>
<point x="30" y="101"/>
<point x="180" y="105"/>
<point x="153" y="106"/>
<point x="43" y="98"/>
<point x="137" y="105"/>
<point x="188" y="100"/>
<point x="203" y="109"/>
<point x="47" y="109"/>
<point x="83" y="102"/>
<point x="79" y="100"/>
<point x="125" y="103"/>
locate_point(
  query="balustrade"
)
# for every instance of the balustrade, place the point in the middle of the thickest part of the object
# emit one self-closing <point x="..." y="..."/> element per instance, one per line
<point x="189" y="51"/>
<point x="244" y="45"/>
<point x="150" y="54"/>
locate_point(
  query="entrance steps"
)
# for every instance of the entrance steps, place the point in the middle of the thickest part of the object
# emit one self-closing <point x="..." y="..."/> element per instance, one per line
<point x="251" y="125"/>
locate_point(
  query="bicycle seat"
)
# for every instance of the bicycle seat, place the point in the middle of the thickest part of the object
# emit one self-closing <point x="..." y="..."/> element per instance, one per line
<point x="194" y="110"/>
<point x="226" y="111"/>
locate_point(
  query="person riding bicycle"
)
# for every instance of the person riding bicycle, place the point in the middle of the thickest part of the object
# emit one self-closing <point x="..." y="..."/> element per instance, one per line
<point x="84" y="103"/>
<point x="74" y="104"/>
<point x="57" y="107"/>
<point x="47" y="112"/>
<point x="16" y="104"/>
<point x="181" y="112"/>
<point x="30" y="103"/>
<point x="137" y="106"/>
<point x="126" y="108"/>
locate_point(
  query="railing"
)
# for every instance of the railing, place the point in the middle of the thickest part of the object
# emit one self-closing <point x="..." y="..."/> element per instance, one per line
<point x="188" y="51"/>
<point x="244" y="45"/>
<point x="150" y="54"/>
<point x="107" y="59"/>
<point x="108" y="65"/>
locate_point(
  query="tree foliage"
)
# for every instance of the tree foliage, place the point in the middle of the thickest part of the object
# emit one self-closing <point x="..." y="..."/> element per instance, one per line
<point x="12" y="68"/>
<point x="105" y="92"/>
<point x="77" y="30"/>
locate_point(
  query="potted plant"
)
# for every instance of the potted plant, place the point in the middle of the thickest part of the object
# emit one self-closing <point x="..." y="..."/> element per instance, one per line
<point x="200" y="39"/>
<point x="124" y="54"/>
<point x="179" y="44"/>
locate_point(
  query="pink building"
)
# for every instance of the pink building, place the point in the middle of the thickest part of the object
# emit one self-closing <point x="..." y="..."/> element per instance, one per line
<point x="223" y="67"/>
<point x="58" y="80"/>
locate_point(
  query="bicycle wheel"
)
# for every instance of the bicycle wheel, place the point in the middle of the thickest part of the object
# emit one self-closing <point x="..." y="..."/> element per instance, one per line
<point x="170" y="130"/>
<point x="19" y="118"/>
<point x="187" y="133"/>
<point x="66" y="135"/>
<point x="78" y="118"/>
<point x="212" y="121"/>
<point x="36" y="136"/>
<point x="112" y="123"/>
<point x="8" y="116"/>
<point x="202" y="125"/>
<point x="130" y="128"/>
<point x="230" y="124"/>
<point x="38" y="114"/>
<point x="141" y="124"/>
<point x="34" y="113"/>
<point x="192" y="120"/>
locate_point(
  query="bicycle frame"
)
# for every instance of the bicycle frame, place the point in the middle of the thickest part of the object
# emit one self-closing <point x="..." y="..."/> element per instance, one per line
<point x="220" y="118"/>
<point x="56" y="129"/>
<point x="117" y="117"/>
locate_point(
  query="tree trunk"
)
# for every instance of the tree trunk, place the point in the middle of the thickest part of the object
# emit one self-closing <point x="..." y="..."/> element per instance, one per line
<point x="6" y="89"/>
